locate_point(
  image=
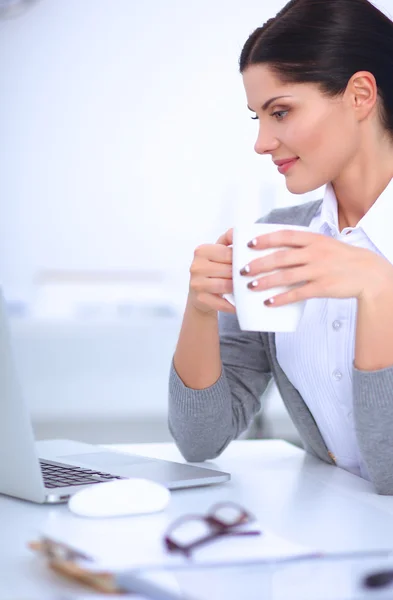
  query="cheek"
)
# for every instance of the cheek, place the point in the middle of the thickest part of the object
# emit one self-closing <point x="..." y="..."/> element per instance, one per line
<point x="311" y="137"/>
<point x="327" y="141"/>
<point x="315" y="142"/>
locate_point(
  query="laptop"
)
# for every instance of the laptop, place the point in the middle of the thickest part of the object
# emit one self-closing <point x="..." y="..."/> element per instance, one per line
<point x="50" y="471"/>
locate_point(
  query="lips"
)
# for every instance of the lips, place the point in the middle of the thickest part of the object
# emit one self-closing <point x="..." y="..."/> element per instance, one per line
<point x="285" y="161"/>
<point x="285" y="165"/>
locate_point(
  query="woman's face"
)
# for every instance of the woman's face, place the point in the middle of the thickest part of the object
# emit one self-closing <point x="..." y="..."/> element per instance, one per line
<point x="321" y="133"/>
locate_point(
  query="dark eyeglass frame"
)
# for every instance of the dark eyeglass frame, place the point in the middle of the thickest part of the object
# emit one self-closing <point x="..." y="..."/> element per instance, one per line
<point x="379" y="579"/>
<point x="218" y="528"/>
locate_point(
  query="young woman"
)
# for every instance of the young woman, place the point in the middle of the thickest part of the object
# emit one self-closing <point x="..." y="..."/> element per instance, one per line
<point x="318" y="77"/>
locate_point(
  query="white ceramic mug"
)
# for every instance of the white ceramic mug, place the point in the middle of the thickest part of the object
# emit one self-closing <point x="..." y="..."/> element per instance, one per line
<point x="251" y="312"/>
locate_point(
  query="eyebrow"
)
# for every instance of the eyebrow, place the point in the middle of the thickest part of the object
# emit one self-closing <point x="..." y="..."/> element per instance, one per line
<point x="268" y="103"/>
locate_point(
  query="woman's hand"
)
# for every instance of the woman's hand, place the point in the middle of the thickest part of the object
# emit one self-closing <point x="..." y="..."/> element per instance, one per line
<point x="320" y="267"/>
<point x="211" y="276"/>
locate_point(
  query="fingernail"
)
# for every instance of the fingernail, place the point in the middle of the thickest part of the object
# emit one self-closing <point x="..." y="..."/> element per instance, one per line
<point x="253" y="284"/>
<point x="245" y="270"/>
<point x="269" y="302"/>
<point x="252" y="244"/>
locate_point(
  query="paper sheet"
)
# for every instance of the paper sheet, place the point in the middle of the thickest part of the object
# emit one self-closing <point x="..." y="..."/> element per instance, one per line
<point x="119" y="544"/>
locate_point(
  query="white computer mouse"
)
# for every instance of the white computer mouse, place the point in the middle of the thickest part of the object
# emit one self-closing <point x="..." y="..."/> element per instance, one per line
<point x="120" y="497"/>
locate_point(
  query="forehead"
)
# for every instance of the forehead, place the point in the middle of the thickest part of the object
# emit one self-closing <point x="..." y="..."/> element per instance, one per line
<point x="261" y="84"/>
<point x="256" y="75"/>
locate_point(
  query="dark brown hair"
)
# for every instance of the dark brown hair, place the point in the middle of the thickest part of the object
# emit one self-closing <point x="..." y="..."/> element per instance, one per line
<point x="325" y="42"/>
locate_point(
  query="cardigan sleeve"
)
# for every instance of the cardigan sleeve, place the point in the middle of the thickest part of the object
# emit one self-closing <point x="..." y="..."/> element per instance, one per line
<point x="373" y="414"/>
<point x="203" y="422"/>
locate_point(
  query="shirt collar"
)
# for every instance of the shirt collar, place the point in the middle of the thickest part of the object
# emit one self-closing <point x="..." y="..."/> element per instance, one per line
<point x="329" y="212"/>
<point x="376" y="223"/>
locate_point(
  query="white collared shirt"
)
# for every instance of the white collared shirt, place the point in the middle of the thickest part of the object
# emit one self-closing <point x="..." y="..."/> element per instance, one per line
<point x="318" y="357"/>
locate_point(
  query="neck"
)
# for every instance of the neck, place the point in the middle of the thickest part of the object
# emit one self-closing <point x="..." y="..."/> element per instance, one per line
<point x="361" y="183"/>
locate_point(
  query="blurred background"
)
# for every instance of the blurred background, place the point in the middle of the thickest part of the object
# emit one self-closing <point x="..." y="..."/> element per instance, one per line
<point x="125" y="143"/>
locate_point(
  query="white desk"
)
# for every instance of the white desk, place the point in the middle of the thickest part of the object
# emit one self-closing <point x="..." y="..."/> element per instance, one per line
<point x="292" y="494"/>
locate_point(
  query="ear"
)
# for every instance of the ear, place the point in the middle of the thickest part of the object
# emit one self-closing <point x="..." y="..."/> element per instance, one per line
<point x="362" y="93"/>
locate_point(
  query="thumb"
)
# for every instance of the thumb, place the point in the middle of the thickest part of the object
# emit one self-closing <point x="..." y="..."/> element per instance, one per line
<point x="227" y="238"/>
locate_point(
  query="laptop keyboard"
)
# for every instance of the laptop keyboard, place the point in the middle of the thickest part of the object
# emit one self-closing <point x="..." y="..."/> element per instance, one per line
<point x="60" y="475"/>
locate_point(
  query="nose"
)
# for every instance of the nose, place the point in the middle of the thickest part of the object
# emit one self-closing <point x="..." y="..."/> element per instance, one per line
<point x="266" y="142"/>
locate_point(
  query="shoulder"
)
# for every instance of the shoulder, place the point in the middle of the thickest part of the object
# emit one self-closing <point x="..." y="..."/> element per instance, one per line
<point x="301" y="214"/>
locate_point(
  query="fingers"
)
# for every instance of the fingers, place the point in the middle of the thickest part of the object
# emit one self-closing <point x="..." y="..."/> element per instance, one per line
<point x="226" y="239"/>
<point x="285" y="277"/>
<point x="202" y="285"/>
<point x="211" y="275"/>
<point x="282" y="259"/>
<point x="282" y="238"/>
<point x="214" y="252"/>
<point x="298" y="294"/>
<point x="207" y="268"/>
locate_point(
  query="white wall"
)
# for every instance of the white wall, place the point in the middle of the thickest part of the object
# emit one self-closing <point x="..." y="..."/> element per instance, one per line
<point x="124" y="126"/>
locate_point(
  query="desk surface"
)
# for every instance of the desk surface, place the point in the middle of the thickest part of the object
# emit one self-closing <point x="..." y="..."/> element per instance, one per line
<point x="291" y="493"/>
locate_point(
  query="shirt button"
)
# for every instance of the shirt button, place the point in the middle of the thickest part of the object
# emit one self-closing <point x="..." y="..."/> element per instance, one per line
<point x="337" y="325"/>
<point x="337" y="375"/>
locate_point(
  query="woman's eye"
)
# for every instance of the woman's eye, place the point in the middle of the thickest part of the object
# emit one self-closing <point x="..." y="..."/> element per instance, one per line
<point x="280" y="114"/>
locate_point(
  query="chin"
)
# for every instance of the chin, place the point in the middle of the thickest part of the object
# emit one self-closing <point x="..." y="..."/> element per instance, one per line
<point x="301" y="187"/>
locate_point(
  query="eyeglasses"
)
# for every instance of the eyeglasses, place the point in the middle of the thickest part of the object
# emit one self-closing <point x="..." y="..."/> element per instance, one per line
<point x="191" y="531"/>
<point x="379" y="580"/>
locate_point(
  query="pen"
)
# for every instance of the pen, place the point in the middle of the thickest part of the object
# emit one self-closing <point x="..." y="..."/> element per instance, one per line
<point x="129" y="582"/>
